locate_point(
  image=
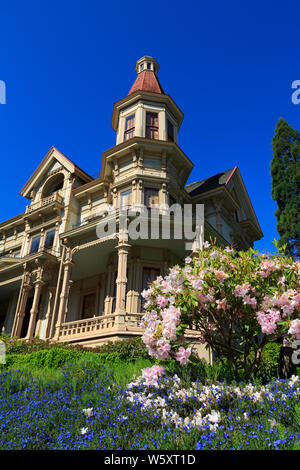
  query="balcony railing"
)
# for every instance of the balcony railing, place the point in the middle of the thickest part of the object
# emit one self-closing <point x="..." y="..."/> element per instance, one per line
<point x="45" y="202"/>
<point x="97" y="326"/>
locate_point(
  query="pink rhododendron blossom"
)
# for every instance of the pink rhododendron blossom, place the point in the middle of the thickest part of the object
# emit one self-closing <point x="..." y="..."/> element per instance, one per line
<point x="294" y="329"/>
<point x="241" y="291"/>
<point x="268" y="321"/>
<point x="152" y="374"/>
<point x="183" y="355"/>
<point x="162" y="301"/>
<point x="163" y="348"/>
<point x="221" y="304"/>
<point x="221" y="275"/>
<point x="250" y="301"/>
<point x="197" y="284"/>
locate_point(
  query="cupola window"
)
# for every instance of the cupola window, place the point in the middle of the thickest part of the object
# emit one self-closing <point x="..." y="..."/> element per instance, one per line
<point x="170" y="132"/>
<point x="129" y="127"/>
<point x="152" y="125"/>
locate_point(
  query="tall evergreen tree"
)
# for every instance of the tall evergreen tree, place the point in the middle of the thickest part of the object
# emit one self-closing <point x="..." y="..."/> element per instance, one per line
<point x="285" y="171"/>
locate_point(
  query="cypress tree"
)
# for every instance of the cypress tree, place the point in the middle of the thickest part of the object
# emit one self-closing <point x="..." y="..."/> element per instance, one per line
<point x="285" y="172"/>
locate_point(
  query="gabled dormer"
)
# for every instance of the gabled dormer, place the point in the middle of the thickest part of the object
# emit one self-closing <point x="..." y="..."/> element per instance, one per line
<point x="147" y="111"/>
<point x="53" y="180"/>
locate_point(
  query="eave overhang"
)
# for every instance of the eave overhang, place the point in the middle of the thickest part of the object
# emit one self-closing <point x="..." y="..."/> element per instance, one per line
<point x="136" y="143"/>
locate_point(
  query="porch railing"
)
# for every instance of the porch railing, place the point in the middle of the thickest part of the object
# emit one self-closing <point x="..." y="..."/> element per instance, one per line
<point x="98" y="325"/>
<point x="45" y="202"/>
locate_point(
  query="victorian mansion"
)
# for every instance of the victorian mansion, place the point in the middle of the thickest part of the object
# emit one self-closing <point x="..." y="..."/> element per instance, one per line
<point x="58" y="279"/>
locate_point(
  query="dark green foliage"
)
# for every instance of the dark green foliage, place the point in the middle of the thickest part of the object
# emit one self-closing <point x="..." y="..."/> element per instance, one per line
<point x="269" y="362"/>
<point x="129" y="349"/>
<point x="200" y="369"/>
<point x="17" y="346"/>
<point x="51" y="358"/>
<point x="285" y="171"/>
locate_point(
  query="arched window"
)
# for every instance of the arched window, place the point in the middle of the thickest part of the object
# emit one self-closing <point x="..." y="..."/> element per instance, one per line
<point x="53" y="184"/>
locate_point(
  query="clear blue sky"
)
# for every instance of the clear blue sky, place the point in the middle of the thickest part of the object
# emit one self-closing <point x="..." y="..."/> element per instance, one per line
<point x="229" y="66"/>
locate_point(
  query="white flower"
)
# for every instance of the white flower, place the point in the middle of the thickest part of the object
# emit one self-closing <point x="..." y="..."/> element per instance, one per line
<point x="122" y="418"/>
<point x="272" y="422"/>
<point x="84" y="430"/>
<point x="294" y="379"/>
<point x="214" y="417"/>
<point x="88" y="412"/>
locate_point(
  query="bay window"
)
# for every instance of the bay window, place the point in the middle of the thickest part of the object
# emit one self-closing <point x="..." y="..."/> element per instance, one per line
<point x="49" y="239"/>
<point x="125" y="199"/>
<point x="35" y="244"/>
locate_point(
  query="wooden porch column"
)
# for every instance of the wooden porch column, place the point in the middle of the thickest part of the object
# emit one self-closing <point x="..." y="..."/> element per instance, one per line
<point x="35" y="305"/>
<point x="50" y="312"/>
<point x="108" y="290"/>
<point x="16" y="331"/>
<point x="130" y="287"/>
<point x="68" y="265"/>
<point x="135" y="285"/>
<point x="120" y="311"/>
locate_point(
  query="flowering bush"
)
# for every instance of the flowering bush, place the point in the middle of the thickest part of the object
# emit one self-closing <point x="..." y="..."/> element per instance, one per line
<point x="237" y="302"/>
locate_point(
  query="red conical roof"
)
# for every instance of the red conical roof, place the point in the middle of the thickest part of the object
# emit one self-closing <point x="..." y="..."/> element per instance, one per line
<point x="146" y="81"/>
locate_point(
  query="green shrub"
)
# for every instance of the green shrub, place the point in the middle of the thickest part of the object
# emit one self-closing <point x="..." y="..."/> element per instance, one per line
<point x="268" y="368"/>
<point x="51" y="359"/>
<point x="129" y="349"/>
<point x="20" y="346"/>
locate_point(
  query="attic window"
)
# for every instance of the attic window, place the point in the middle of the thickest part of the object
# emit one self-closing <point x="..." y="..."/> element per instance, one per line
<point x="142" y="67"/>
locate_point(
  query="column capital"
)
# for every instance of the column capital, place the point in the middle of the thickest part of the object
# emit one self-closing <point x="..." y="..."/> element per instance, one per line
<point x="39" y="283"/>
<point x="123" y="247"/>
<point x="68" y="264"/>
